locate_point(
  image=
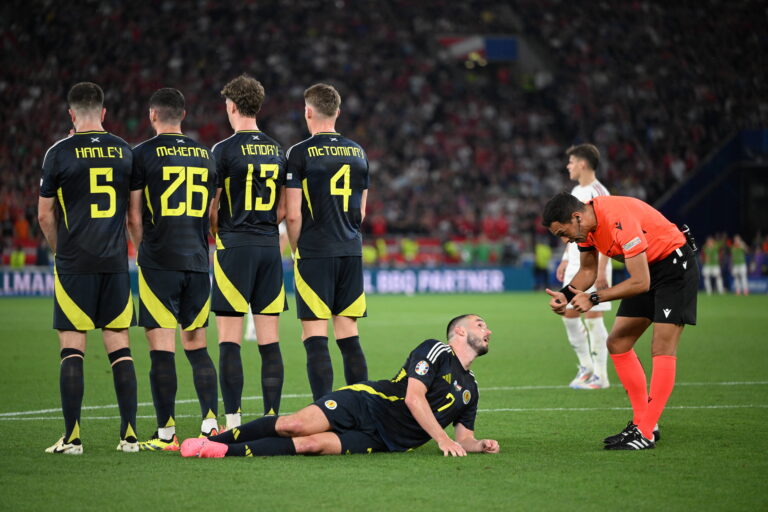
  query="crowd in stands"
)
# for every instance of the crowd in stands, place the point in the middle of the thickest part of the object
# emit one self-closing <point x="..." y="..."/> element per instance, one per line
<point x="456" y="154"/>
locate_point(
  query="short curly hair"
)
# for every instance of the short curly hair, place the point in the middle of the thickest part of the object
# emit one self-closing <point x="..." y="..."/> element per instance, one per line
<point x="246" y="93"/>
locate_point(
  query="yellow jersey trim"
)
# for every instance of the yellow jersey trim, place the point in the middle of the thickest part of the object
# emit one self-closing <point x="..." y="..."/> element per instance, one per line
<point x="277" y="305"/>
<point x="356" y="309"/>
<point x="156" y="309"/>
<point x="219" y="243"/>
<point x="60" y="194"/>
<point x="123" y="320"/>
<point x="308" y="295"/>
<point x="75" y="315"/>
<point x="229" y="194"/>
<point x="201" y="317"/>
<point x="230" y="292"/>
<point x="368" y="389"/>
<point x="149" y="203"/>
<point x="306" y="196"/>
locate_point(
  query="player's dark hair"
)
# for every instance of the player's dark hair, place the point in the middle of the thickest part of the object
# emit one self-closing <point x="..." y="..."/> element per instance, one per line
<point x="169" y="103"/>
<point x="560" y="208"/>
<point x="246" y="93"/>
<point x="325" y="98"/>
<point x="453" y="322"/>
<point x="587" y="152"/>
<point x="85" y="96"/>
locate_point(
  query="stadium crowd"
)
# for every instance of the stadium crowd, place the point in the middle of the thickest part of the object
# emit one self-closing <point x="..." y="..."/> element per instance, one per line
<point x="454" y="152"/>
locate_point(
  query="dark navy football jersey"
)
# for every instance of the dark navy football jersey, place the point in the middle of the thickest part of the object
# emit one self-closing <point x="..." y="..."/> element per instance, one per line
<point x="451" y="392"/>
<point x="178" y="176"/>
<point x="89" y="173"/>
<point x="332" y="171"/>
<point x="250" y="171"/>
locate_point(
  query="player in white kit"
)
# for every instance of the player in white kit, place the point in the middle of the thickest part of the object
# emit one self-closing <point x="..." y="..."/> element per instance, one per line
<point x="589" y="343"/>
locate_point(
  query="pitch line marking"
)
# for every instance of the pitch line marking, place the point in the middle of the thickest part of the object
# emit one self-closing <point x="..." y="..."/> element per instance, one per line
<point x="529" y="409"/>
<point x="4" y="415"/>
<point x="305" y="395"/>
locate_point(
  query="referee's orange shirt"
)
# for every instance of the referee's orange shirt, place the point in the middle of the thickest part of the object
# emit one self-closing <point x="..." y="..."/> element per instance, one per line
<point x="627" y="226"/>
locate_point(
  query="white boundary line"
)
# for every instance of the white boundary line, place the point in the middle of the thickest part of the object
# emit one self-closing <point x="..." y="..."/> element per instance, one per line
<point x="17" y="415"/>
<point x="484" y="411"/>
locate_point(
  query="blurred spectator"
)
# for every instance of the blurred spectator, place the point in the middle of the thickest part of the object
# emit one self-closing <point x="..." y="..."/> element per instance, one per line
<point x="542" y="256"/>
<point x="18" y="257"/>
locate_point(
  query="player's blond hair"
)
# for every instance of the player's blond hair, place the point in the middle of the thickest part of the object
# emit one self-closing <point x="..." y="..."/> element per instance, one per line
<point x="325" y="98"/>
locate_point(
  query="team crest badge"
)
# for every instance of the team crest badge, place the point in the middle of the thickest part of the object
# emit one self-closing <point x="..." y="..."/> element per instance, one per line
<point x="422" y="367"/>
<point x="466" y="396"/>
<point x="330" y="404"/>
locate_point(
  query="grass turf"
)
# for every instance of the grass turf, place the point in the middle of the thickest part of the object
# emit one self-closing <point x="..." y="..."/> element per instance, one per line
<point x="712" y="455"/>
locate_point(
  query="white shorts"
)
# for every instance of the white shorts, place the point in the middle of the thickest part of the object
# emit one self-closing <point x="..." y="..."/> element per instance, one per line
<point x="570" y="272"/>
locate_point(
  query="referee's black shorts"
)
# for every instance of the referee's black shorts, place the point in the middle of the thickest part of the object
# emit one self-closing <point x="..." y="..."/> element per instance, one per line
<point x="672" y="296"/>
<point x="347" y="412"/>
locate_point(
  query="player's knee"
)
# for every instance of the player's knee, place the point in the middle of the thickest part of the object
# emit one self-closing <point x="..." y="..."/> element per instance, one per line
<point x="308" y="445"/>
<point x="289" y="426"/>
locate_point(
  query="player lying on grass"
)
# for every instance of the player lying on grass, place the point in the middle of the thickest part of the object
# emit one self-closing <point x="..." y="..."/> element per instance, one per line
<point x="433" y="389"/>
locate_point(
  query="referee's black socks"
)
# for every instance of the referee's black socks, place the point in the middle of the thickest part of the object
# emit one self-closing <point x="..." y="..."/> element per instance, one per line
<point x="204" y="377"/>
<point x="162" y="381"/>
<point x="355" y="367"/>
<point x="319" y="366"/>
<point x="271" y="376"/>
<point x="124" y="376"/>
<point x="71" y="386"/>
<point x="231" y="376"/>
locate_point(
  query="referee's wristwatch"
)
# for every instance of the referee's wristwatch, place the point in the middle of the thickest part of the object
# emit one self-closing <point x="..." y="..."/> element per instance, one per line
<point x="594" y="299"/>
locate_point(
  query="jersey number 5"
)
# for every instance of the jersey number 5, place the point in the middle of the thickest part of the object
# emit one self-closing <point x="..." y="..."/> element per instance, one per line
<point x="268" y="171"/>
<point x="345" y="191"/>
<point x="183" y="174"/>
<point x="106" y="172"/>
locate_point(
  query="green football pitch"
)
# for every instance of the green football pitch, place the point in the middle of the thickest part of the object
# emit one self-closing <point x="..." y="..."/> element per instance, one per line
<point x="713" y="454"/>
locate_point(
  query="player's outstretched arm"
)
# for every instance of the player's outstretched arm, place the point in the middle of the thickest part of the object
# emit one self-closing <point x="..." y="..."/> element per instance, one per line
<point x="466" y="438"/>
<point x="416" y="401"/>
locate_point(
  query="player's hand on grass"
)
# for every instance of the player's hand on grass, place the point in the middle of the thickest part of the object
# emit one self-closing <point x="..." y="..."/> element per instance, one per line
<point x="489" y="446"/>
<point x="557" y="303"/>
<point x="452" y="448"/>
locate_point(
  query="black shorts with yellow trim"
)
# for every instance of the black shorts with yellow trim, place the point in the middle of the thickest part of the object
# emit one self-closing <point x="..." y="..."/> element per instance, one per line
<point x="248" y="275"/>
<point x="168" y="298"/>
<point x="328" y="287"/>
<point x="92" y="301"/>
<point x="672" y="296"/>
<point x="348" y="414"/>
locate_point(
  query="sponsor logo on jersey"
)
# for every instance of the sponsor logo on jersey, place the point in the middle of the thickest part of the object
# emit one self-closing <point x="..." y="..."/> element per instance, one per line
<point x="330" y="404"/>
<point x="466" y="396"/>
<point x="627" y="246"/>
<point x="456" y="385"/>
<point x="422" y="367"/>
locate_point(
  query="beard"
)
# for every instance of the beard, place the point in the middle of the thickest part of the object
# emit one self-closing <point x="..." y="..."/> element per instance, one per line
<point x="476" y="343"/>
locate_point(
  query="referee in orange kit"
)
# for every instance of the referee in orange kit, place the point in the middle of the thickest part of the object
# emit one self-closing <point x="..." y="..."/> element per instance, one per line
<point x="661" y="289"/>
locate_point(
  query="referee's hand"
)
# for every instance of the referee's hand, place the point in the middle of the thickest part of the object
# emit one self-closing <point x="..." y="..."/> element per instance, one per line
<point x="557" y="303"/>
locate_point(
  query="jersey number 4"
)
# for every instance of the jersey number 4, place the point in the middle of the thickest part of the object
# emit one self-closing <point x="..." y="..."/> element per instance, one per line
<point x="181" y="175"/>
<point x="268" y="171"/>
<point x="345" y="191"/>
